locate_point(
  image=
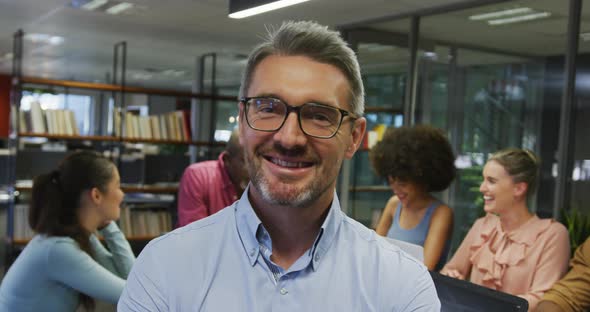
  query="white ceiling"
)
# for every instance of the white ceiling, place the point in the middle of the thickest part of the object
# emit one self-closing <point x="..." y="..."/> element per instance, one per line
<point x="170" y="35"/>
<point x="541" y="37"/>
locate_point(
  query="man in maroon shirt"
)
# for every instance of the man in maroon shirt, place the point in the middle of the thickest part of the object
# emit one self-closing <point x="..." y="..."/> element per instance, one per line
<point x="208" y="186"/>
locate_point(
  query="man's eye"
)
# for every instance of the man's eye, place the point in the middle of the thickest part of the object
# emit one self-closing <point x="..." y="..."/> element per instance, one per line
<point x="320" y="117"/>
<point x="266" y="109"/>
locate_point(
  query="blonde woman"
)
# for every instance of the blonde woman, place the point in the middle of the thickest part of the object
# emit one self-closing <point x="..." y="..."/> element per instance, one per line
<point x="511" y="249"/>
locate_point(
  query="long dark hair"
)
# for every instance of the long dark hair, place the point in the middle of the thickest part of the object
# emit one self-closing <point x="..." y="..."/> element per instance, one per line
<point x="56" y="199"/>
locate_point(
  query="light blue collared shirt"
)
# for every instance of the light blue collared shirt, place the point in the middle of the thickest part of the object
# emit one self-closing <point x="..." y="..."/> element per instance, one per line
<point x="223" y="263"/>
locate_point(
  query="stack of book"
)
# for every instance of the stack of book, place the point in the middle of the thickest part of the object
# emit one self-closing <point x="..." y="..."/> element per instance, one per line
<point x="173" y="126"/>
<point x="50" y="121"/>
<point x="144" y="220"/>
<point x="22" y="230"/>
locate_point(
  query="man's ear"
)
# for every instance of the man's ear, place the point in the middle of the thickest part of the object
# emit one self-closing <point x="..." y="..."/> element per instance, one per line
<point x="357" y="133"/>
<point x="520" y="189"/>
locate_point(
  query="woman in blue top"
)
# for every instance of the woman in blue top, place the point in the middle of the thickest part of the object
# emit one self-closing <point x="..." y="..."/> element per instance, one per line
<point x="416" y="161"/>
<point x="65" y="264"/>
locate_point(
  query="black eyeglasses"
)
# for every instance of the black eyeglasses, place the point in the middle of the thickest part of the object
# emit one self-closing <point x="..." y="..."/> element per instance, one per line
<point x="316" y="120"/>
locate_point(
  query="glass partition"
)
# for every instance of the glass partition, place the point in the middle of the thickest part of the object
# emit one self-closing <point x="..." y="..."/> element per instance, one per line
<point x="384" y="58"/>
<point x="489" y="79"/>
<point x="580" y="190"/>
<point x="492" y="77"/>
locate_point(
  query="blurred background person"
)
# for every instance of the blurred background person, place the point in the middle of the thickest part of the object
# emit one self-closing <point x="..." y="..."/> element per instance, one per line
<point x="416" y="161"/>
<point x="209" y="186"/>
<point x="65" y="264"/>
<point x="572" y="292"/>
<point x="511" y="249"/>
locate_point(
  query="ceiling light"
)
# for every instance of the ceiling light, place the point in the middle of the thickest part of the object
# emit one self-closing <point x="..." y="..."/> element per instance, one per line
<point x="585" y="36"/>
<point x="485" y="16"/>
<point x="264" y="8"/>
<point x="44" y="39"/>
<point x="56" y="40"/>
<point x="430" y="55"/>
<point x="173" y="73"/>
<point x="119" y="8"/>
<point x="7" y="56"/>
<point x="93" y="5"/>
<point x="376" y="47"/>
<point x="141" y="76"/>
<point x="520" y="18"/>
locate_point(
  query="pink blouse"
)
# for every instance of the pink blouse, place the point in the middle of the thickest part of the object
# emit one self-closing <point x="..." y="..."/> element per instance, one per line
<point x="524" y="262"/>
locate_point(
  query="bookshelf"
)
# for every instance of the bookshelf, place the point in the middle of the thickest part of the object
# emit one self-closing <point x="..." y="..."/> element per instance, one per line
<point x="64" y="137"/>
<point x="113" y="143"/>
<point x="151" y="163"/>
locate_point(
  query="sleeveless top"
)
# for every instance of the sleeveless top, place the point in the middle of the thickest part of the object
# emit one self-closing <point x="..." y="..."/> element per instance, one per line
<point x="417" y="235"/>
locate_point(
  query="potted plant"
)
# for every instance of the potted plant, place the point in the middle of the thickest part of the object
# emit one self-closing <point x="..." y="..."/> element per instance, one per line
<point x="578" y="226"/>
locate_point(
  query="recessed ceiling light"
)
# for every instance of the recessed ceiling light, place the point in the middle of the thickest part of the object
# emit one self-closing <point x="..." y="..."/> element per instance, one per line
<point x="142" y="76"/>
<point x="90" y="5"/>
<point x="44" y="38"/>
<point x="517" y="19"/>
<point x="119" y="8"/>
<point x="265" y="8"/>
<point x="496" y="14"/>
<point x="173" y="73"/>
<point x="7" y="56"/>
<point x="430" y="55"/>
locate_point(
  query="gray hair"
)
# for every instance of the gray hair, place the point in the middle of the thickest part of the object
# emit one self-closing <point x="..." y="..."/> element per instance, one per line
<point x="317" y="42"/>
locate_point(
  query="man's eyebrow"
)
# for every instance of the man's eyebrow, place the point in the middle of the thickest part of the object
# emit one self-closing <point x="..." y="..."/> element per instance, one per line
<point x="275" y="96"/>
<point x="268" y="95"/>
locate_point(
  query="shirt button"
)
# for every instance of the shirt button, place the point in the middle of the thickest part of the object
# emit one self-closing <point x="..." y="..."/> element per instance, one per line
<point x="283" y="291"/>
<point x="253" y="252"/>
<point x="317" y="257"/>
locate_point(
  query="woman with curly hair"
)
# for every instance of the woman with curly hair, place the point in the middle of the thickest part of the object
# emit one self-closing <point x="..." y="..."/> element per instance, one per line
<point x="510" y="249"/>
<point x="416" y="161"/>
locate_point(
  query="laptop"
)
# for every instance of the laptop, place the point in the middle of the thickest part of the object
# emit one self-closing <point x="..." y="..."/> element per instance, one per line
<point x="463" y="296"/>
<point x="413" y="250"/>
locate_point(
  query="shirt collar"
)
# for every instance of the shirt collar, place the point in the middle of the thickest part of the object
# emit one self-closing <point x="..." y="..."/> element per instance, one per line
<point x="247" y="223"/>
<point x="328" y="232"/>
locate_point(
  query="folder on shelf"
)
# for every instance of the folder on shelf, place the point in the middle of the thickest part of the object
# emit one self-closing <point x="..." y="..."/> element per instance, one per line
<point x="37" y="118"/>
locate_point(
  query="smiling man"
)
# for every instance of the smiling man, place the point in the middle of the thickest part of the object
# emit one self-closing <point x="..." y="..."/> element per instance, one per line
<point x="286" y="245"/>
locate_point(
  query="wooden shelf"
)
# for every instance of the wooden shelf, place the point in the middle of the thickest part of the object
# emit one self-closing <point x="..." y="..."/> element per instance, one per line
<point x="155" y="141"/>
<point x="118" y="139"/>
<point x="24" y="241"/>
<point x="118" y="88"/>
<point x="141" y="238"/>
<point x="150" y="189"/>
<point x="370" y="188"/>
<point x="129" y="189"/>
<point x="21" y="241"/>
<point x="69" y="137"/>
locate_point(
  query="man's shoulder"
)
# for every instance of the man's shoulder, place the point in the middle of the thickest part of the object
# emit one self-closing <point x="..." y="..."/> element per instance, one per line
<point x="384" y="266"/>
<point x="199" y="233"/>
